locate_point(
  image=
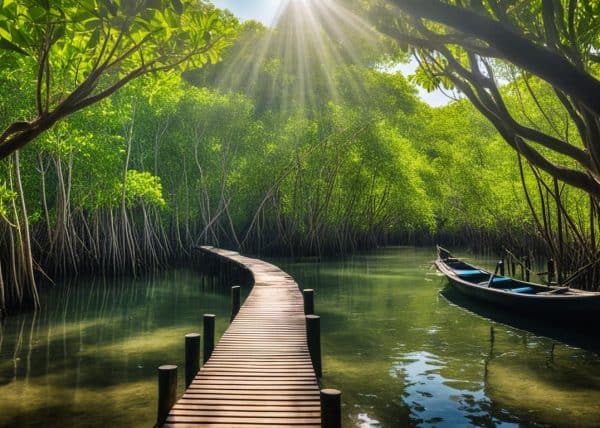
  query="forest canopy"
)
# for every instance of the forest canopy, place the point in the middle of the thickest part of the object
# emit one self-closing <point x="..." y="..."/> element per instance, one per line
<point x="82" y="51"/>
<point x="546" y="52"/>
<point x="161" y="125"/>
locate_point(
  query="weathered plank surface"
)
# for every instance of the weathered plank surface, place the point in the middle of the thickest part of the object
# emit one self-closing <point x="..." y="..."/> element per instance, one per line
<point x="260" y="373"/>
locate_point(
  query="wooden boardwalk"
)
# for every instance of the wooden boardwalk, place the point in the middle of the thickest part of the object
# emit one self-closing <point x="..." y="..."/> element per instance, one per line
<point x="260" y="373"/>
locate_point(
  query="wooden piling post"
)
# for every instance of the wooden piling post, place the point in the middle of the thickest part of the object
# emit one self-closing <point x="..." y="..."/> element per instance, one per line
<point x="209" y="336"/>
<point x="331" y="408"/>
<point x="527" y="268"/>
<point x="501" y="267"/>
<point x="309" y="301"/>
<point x="192" y="357"/>
<point x="313" y="338"/>
<point x="550" y="270"/>
<point x="167" y="392"/>
<point x="235" y="301"/>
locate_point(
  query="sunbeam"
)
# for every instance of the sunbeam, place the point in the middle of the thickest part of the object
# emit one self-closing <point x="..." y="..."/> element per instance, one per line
<point x="305" y="60"/>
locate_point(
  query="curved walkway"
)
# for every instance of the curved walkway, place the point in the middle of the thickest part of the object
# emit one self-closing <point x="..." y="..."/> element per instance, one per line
<point x="260" y="373"/>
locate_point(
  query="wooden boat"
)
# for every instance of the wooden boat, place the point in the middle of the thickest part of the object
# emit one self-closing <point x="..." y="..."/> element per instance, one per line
<point x="549" y="301"/>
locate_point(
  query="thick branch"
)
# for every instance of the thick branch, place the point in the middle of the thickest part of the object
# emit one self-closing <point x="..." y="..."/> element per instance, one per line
<point x="551" y="67"/>
<point x="570" y="176"/>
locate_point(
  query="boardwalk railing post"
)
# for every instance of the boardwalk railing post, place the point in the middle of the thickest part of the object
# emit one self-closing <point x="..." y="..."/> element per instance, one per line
<point x="331" y="408"/>
<point x="235" y="301"/>
<point x="313" y="339"/>
<point x="192" y="357"/>
<point x="209" y="336"/>
<point x="309" y="301"/>
<point x="167" y="392"/>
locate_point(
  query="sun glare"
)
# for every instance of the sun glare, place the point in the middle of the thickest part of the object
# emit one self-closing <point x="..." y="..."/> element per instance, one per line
<point x="309" y="42"/>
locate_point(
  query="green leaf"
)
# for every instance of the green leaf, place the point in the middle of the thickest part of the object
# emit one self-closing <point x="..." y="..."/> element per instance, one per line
<point x="5" y="34"/>
<point x="171" y="18"/>
<point x="5" y="44"/>
<point x="214" y="56"/>
<point x="37" y="13"/>
<point x="94" y="38"/>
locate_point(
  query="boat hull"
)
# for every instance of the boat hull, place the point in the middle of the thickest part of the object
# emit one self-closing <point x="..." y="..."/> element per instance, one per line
<point x="559" y="307"/>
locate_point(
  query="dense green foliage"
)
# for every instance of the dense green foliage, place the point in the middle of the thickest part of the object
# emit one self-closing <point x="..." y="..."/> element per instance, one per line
<point x="83" y="51"/>
<point x="282" y="147"/>
<point x="546" y="51"/>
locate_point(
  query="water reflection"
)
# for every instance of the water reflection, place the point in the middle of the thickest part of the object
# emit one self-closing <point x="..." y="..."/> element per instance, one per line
<point x="580" y="335"/>
<point x="402" y="354"/>
<point x="549" y="382"/>
<point x="434" y="399"/>
<point x="365" y="421"/>
<point x="405" y="356"/>
<point x="89" y="357"/>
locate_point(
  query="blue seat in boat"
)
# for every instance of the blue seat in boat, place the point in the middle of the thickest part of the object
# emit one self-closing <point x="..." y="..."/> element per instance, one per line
<point x="525" y="290"/>
<point x="468" y="273"/>
<point x="499" y="280"/>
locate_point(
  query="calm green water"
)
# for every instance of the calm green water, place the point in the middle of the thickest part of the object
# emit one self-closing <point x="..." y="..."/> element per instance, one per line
<point x="89" y="357"/>
<point x="402" y="354"/>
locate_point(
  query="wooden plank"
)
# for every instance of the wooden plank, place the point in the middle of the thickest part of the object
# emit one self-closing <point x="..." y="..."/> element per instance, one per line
<point x="261" y="369"/>
<point x="219" y="425"/>
<point x="255" y="389"/>
<point x="260" y="373"/>
<point x="244" y="413"/>
<point x="220" y="403"/>
<point x="280" y="381"/>
<point x="251" y="409"/>
<point x="241" y="395"/>
<point x="242" y="420"/>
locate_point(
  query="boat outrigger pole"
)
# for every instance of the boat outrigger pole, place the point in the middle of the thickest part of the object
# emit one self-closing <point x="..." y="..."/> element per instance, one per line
<point x="498" y="264"/>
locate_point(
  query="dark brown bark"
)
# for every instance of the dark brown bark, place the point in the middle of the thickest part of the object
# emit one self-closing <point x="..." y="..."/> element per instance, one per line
<point x="539" y="60"/>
